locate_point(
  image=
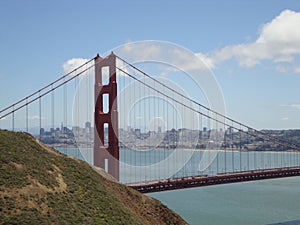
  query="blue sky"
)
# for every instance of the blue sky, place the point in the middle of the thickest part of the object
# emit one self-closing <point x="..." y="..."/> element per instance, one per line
<point x="253" y="47"/>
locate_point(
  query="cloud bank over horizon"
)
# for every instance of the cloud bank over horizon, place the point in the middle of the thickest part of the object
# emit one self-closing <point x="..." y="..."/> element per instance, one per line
<point x="278" y="41"/>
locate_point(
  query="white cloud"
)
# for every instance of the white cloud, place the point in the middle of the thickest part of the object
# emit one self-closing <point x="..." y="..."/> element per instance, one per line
<point x="296" y="69"/>
<point x="206" y="60"/>
<point x="281" y="69"/>
<point x="158" y="51"/>
<point x="148" y="50"/>
<point x="284" y="58"/>
<point x="278" y="40"/>
<point x="36" y="118"/>
<point x="72" y="64"/>
<point x="187" y="61"/>
<point x="296" y="106"/>
<point x="285" y="118"/>
<point x="288" y="69"/>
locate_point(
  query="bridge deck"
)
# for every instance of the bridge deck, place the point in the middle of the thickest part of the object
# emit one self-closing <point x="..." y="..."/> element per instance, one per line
<point x="199" y="181"/>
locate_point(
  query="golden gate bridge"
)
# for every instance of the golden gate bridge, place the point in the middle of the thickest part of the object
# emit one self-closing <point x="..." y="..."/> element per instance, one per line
<point x="147" y="134"/>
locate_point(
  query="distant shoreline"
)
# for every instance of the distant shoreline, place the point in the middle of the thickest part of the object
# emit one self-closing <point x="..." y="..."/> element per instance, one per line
<point x="182" y="149"/>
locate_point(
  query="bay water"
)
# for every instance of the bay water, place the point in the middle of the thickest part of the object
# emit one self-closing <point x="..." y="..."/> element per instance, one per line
<point x="248" y="203"/>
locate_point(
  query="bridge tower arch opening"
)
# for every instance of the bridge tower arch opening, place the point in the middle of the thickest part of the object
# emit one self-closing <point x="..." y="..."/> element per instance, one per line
<point x="106" y="143"/>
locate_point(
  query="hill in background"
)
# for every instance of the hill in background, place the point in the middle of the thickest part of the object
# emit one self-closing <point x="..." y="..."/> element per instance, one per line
<point x="39" y="185"/>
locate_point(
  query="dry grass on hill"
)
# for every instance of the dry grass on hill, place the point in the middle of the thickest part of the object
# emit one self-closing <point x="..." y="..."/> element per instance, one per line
<point x="39" y="185"/>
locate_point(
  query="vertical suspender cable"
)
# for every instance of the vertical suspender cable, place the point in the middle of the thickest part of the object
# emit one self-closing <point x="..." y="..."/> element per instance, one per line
<point x="172" y="135"/>
<point x="66" y="119"/>
<point x="240" y="147"/>
<point x="119" y="115"/>
<point x="147" y="119"/>
<point x="276" y="158"/>
<point x="269" y="165"/>
<point x="166" y="143"/>
<point x="140" y="125"/>
<point x="209" y="129"/>
<point x="91" y="120"/>
<point x="255" y="156"/>
<point x="248" y="152"/>
<point x="126" y="125"/>
<point x="296" y="158"/>
<point x="182" y="136"/>
<point x="13" y="118"/>
<point x="40" y="116"/>
<point x="157" y="129"/>
<point x="64" y="116"/>
<point x="184" y="133"/>
<point x="148" y="129"/>
<point x="130" y="83"/>
<point x="282" y="155"/>
<point x="225" y="147"/>
<point x="136" y="134"/>
<point x="262" y="156"/>
<point x="232" y="145"/>
<point x="154" y="130"/>
<point x="154" y="115"/>
<point x="200" y="139"/>
<point x="296" y="152"/>
<point x="290" y="153"/>
<point x="78" y="115"/>
<point x="52" y="115"/>
<point x="290" y="158"/>
<point x="217" y="139"/>
<point x="27" y="115"/>
<point x="276" y="154"/>
<point x="87" y="129"/>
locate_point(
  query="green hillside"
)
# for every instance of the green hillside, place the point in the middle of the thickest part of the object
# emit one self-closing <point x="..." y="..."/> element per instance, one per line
<point x="38" y="185"/>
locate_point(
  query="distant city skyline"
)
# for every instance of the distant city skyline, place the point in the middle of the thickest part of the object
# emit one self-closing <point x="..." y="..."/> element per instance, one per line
<point x="205" y="138"/>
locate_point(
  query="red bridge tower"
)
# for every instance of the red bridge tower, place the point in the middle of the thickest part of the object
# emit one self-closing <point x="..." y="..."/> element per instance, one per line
<point x="106" y="143"/>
